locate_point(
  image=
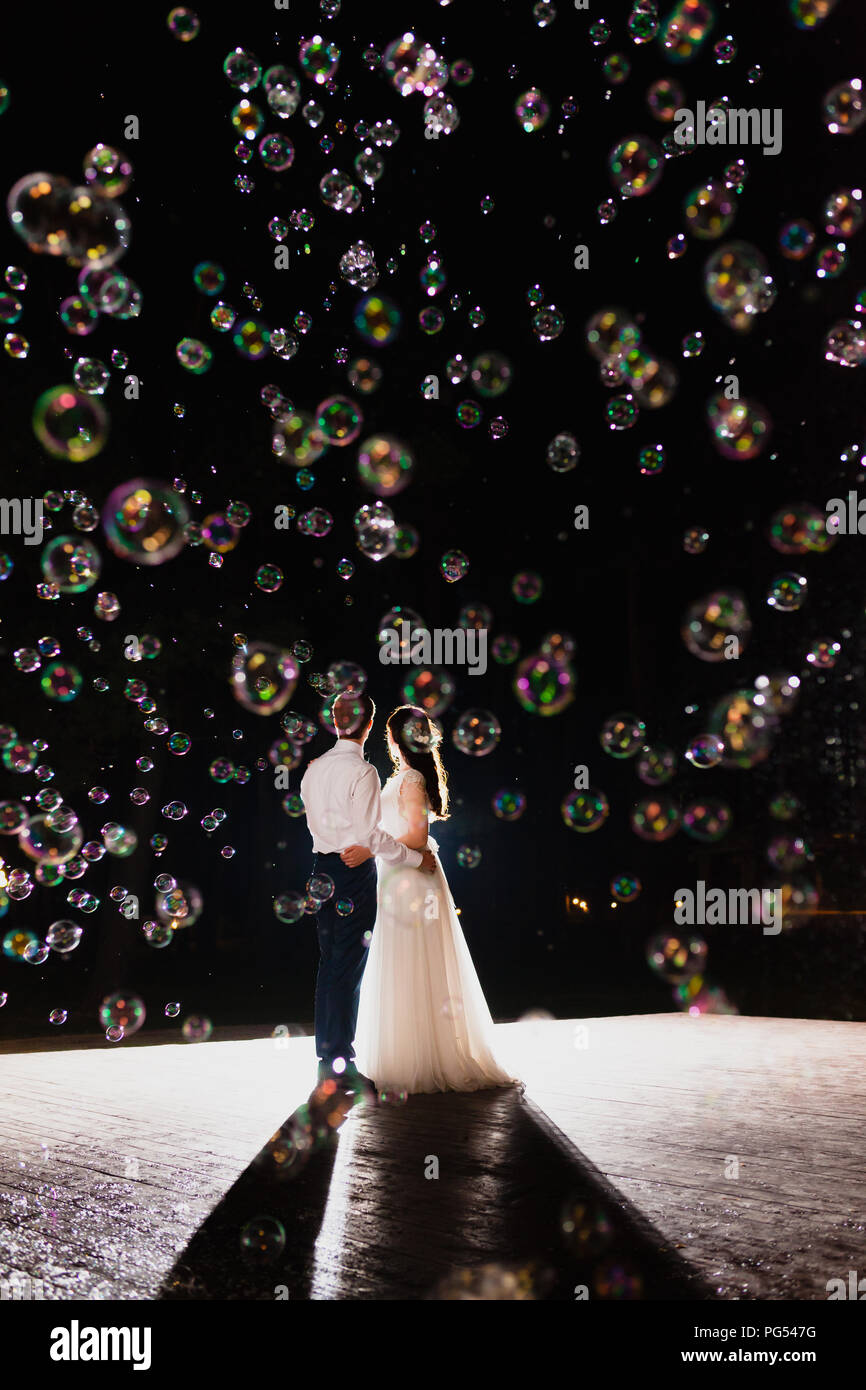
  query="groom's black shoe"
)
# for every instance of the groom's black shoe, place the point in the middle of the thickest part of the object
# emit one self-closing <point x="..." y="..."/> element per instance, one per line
<point x="357" y="1084"/>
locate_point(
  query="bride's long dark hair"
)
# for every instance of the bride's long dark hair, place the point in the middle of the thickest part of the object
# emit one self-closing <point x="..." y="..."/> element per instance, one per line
<point x="418" y="739"/>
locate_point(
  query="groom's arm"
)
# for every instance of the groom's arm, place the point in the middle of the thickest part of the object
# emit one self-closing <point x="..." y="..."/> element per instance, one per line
<point x="366" y="814"/>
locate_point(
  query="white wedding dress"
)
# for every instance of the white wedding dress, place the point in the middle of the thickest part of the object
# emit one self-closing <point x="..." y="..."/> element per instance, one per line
<point x="423" y="1021"/>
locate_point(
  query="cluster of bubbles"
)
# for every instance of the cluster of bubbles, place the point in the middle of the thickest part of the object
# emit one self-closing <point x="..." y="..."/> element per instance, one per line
<point x="615" y="341"/>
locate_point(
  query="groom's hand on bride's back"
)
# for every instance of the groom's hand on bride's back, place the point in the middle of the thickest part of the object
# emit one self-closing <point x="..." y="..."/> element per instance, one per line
<point x="355" y="855"/>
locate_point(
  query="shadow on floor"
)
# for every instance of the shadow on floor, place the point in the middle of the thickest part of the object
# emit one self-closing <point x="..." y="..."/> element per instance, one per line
<point x="455" y="1196"/>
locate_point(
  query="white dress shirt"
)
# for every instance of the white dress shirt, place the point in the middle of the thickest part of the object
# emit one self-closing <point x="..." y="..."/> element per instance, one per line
<point x="340" y="791"/>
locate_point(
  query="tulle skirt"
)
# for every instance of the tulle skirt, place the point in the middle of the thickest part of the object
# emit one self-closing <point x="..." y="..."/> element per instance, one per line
<point x="423" y="1021"/>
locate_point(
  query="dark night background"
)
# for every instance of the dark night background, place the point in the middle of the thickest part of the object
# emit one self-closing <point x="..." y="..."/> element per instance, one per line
<point x="619" y="589"/>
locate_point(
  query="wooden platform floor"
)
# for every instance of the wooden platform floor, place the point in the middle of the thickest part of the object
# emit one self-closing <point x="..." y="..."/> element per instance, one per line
<point x="130" y="1171"/>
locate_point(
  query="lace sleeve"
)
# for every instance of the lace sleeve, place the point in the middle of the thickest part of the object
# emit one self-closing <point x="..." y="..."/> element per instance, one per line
<point x="411" y="777"/>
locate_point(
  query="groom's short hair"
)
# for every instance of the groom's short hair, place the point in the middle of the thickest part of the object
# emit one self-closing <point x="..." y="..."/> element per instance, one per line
<point x="352" y="714"/>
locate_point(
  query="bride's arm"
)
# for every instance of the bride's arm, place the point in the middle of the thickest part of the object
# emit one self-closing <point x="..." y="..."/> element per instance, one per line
<point x="414" y="804"/>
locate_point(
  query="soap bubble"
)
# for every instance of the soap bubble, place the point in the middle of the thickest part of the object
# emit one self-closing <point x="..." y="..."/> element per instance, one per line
<point x="476" y="732"/>
<point x="544" y="684"/>
<point x="80" y="224"/>
<point x="635" y="166"/>
<point x="532" y="110"/>
<point x="454" y="566"/>
<point x="468" y="856"/>
<point x="508" y="805"/>
<point x="622" y="735"/>
<point x="740" y="428"/>
<point x="297" y="439"/>
<point x="655" y="818"/>
<point x="430" y="689"/>
<point x="144" y="521"/>
<point x="746" y="724"/>
<point x="705" y="750"/>
<point x="263" y="678"/>
<point x="289" y="907"/>
<point x="63" y="936"/>
<point x="844" y="107"/>
<point x="70" y="424"/>
<point x="625" y="888"/>
<point x="710" y="622"/>
<point x="787" y="592"/>
<point x="563" y="453"/>
<point x="54" y="838"/>
<point x="385" y="465"/>
<point x="656" y="765"/>
<point x="71" y="563"/>
<point x="677" y="956"/>
<point x="707" y="820"/>
<point x="737" y="282"/>
<point x="122" y="1010"/>
<point x="585" y="811"/>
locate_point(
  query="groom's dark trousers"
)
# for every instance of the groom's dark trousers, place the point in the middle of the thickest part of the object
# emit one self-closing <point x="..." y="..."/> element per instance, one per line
<point x="342" y="953"/>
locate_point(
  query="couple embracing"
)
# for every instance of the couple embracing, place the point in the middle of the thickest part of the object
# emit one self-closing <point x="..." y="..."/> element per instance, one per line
<point x="394" y="966"/>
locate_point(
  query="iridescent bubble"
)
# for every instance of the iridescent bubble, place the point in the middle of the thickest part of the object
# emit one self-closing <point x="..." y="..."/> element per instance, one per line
<point x="844" y="107"/>
<point x="695" y="540"/>
<point x="656" y="765"/>
<point x="651" y="459"/>
<point x="263" y="678"/>
<point x="319" y="58"/>
<point x="80" y="224"/>
<point x="377" y="319"/>
<point x="625" y="888"/>
<point x="297" y="439"/>
<point x="61" y="682"/>
<point x="709" y="210"/>
<point x="746" y="726"/>
<point x="845" y="343"/>
<point x="375" y="531"/>
<point x="107" y="170"/>
<point x="655" y="818"/>
<point x="196" y="1028"/>
<point x="276" y="152"/>
<point x="508" y="805"/>
<point x="664" y="98"/>
<point x="144" y="521"/>
<point x="563" y="453"/>
<point x="123" y="1011"/>
<point x="527" y="586"/>
<point x="676" y="956"/>
<point x="320" y="887"/>
<point x="622" y="735"/>
<point x="548" y="323"/>
<point x="532" y="110"/>
<point x="844" y="212"/>
<point x="736" y="278"/>
<point x="741" y="428"/>
<point x="707" y="820"/>
<point x="544" y="685"/>
<point x="705" y="750"/>
<point x="824" y="653"/>
<point x="798" y="528"/>
<point x="430" y="689"/>
<point x="491" y="374"/>
<point x="796" y="239"/>
<point x="454" y="566"/>
<point x="441" y="116"/>
<point x="585" y="811"/>
<point x="63" y="936"/>
<point x="476" y="732"/>
<point x="54" y="838"/>
<point x="242" y="69"/>
<point x="183" y="23"/>
<point x="787" y="592"/>
<point x="635" y="166"/>
<point x="717" y="624"/>
<point x="71" y="563"/>
<point x="385" y="465"/>
<point x="468" y="856"/>
<point x="70" y="424"/>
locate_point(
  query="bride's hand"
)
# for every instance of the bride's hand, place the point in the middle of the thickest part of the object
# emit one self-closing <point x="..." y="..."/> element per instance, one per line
<point x="355" y="855"/>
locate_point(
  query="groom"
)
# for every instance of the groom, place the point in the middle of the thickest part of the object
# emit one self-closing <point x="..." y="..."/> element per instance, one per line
<point x="340" y="792"/>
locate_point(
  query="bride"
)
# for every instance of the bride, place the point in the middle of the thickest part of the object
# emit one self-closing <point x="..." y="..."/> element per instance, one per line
<point x="423" y="1021"/>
